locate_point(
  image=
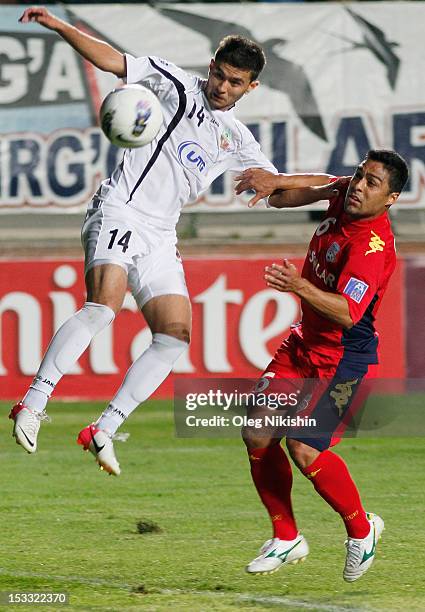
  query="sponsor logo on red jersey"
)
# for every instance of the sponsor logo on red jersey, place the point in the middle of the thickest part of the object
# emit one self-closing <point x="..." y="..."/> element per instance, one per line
<point x="327" y="277"/>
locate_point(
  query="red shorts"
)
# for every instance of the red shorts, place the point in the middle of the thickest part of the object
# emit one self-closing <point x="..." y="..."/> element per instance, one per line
<point x="328" y="385"/>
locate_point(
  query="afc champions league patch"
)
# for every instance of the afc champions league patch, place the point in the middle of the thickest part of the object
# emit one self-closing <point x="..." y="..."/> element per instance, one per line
<point x="356" y="289"/>
<point x="332" y="252"/>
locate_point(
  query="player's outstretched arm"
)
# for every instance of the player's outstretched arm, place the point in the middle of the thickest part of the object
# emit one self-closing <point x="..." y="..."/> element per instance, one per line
<point x="98" y="52"/>
<point x="286" y="278"/>
<point x="292" y="198"/>
<point x="264" y="183"/>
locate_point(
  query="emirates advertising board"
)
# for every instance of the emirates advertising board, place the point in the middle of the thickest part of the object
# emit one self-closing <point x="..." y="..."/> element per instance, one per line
<point x="340" y="79"/>
<point x="238" y="323"/>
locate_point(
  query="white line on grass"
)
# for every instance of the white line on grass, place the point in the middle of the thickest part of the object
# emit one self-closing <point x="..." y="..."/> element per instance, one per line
<point x="299" y="603"/>
<point x="272" y="600"/>
<point x="261" y="599"/>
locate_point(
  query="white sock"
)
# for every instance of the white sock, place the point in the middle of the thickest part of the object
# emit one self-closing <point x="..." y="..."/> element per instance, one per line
<point x="66" y="346"/>
<point x="35" y="399"/>
<point x="142" y="379"/>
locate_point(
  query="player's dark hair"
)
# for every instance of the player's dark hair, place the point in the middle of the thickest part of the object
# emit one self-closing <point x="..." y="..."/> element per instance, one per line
<point x="242" y="53"/>
<point x="394" y="164"/>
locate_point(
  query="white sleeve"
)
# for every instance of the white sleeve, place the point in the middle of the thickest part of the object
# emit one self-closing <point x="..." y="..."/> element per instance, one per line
<point x="151" y="72"/>
<point x="250" y="155"/>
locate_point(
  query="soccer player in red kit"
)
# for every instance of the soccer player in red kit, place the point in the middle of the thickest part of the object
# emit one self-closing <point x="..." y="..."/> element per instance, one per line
<point x="348" y="265"/>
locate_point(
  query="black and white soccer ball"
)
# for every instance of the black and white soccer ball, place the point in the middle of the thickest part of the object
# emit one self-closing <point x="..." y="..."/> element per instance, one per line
<point x="131" y="116"/>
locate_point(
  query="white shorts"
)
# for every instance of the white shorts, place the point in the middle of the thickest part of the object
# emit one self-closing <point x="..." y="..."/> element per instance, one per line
<point x="148" y="254"/>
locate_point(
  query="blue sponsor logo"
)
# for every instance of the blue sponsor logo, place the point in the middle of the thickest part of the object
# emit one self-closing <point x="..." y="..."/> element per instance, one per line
<point x="356" y="289"/>
<point x="192" y="156"/>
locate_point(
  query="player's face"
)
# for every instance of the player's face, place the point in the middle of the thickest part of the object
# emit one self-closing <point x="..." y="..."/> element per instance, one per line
<point x="226" y="85"/>
<point x="369" y="194"/>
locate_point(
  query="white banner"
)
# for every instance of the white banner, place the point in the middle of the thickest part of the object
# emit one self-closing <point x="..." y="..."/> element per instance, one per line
<point x="340" y="79"/>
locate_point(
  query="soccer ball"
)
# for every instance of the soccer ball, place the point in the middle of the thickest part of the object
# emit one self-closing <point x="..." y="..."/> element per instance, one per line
<point x="130" y="116"/>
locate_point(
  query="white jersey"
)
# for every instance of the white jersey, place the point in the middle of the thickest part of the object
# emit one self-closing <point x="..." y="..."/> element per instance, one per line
<point x="195" y="145"/>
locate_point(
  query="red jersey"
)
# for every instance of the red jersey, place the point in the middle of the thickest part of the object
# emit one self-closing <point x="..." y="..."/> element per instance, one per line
<point x="354" y="259"/>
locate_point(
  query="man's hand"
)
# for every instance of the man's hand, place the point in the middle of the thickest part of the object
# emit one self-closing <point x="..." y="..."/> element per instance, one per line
<point x="332" y="306"/>
<point x="40" y="15"/>
<point x="283" y="277"/>
<point x="261" y="181"/>
<point x="331" y="190"/>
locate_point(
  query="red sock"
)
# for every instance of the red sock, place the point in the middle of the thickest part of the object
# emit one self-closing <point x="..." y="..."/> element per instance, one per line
<point x="331" y="479"/>
<point x="272" y="476"/>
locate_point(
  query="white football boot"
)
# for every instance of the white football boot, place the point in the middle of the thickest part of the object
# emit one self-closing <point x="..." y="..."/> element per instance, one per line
<point x="361" y="552"/>
<point x="26" y="425"/>
<point x="100" y="444"/>
<point x="275" y="553"/>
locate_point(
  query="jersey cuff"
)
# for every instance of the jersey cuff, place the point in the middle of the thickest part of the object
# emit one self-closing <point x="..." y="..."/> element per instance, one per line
<point x="129" y="63"/>
<point x="128" y="59"/>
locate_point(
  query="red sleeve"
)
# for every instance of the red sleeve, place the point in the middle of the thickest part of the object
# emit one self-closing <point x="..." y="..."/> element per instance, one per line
<point x="361" y="277"/>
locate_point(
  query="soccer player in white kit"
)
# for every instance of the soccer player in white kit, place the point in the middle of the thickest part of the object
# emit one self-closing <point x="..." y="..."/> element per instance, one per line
<point x="129" y="235"/>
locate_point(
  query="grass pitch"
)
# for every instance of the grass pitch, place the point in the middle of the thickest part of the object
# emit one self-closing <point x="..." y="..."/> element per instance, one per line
<point x="66" y="526"/>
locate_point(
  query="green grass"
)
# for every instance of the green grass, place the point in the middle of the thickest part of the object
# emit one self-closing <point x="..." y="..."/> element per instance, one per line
<point x="66" y="526"/>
